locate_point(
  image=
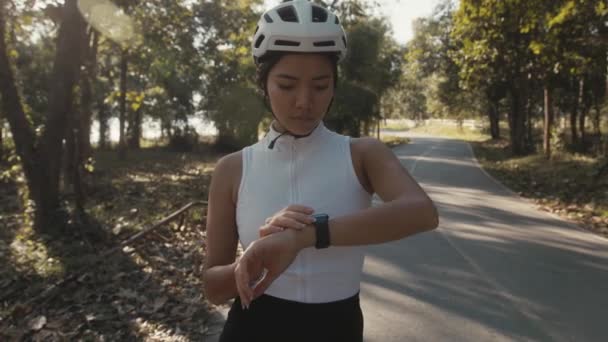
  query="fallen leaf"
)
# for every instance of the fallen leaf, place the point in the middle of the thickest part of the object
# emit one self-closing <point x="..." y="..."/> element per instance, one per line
<point x="126" y="293"/>
<point x="159" y="303"/>
<point x="37" y="323"/>
<point x="44" y="335"/>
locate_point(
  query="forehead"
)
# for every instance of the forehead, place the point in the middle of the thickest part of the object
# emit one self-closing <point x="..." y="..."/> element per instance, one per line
<point x="303" y="65"/>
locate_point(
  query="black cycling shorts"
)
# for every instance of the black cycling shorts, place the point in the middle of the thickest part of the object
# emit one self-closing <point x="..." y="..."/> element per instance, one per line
<point x="273" y="319"/>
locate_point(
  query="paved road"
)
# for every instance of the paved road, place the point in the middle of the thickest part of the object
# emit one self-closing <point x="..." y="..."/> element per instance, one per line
<point x="496" y="269"/>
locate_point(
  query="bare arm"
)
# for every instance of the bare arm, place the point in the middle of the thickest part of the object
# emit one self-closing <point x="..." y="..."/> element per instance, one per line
<point x="406" y="210"/>
<point x="222" y="236"/>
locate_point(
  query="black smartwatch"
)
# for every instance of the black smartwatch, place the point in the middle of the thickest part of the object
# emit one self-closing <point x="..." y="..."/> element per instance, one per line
<point x="322" y="230"/>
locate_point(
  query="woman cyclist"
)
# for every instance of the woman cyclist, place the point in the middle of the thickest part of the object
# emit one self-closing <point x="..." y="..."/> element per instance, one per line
<point x="299" y="200"/>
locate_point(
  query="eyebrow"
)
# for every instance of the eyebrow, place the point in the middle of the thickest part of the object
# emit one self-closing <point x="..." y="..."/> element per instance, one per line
<point x="289" y="77"/>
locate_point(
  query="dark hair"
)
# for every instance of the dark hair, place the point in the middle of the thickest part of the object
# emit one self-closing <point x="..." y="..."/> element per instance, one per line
<point x="271" y="58"/>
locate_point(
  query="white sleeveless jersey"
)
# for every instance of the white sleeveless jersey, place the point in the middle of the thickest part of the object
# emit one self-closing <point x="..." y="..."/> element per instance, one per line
<point x="315" y="171"/>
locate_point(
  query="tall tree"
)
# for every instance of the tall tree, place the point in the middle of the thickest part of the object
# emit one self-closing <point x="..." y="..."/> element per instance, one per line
<point x="493" y="39"/>
<point x="41" y="156"/>
<point x="369" y="70"/>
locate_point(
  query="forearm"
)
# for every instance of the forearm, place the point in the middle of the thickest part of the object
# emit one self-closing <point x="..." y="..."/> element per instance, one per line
<point x="219" y="283"/>
<point x="387" y="222"/>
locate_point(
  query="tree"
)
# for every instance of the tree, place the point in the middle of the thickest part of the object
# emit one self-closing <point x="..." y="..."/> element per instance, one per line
<point x="225" y="28"/>
<point x="41" y="155"/>
<point x="495" y="46"/>
<point x="367" y="73"/>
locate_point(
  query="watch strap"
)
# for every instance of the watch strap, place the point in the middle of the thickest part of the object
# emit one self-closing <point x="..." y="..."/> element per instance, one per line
<point x="321" y="231"/>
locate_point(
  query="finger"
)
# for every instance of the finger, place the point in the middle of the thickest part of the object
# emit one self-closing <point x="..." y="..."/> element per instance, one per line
<point x="302" y="218"/>
<point x="263" y="285"/>
<point x="240" y="285"/>
<point x="243" y="282"/>
<point x="300" y="208"/>
<point x="288" y="222"/>
<point x="270" y="229"/>
<point x="239" y="290"/>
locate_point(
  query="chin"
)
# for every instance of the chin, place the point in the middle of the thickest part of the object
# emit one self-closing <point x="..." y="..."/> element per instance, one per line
<point x="302" y="127"/>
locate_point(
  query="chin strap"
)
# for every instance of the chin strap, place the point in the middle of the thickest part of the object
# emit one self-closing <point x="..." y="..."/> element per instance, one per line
<point x="297" y="136"/>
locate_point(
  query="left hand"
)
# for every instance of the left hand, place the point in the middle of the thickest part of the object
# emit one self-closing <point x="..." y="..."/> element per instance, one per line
<point x="273" y="253"/>
<point x="293" y="217"/>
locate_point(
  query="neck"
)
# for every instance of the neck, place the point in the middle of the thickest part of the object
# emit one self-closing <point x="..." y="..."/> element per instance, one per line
<point x="276" y="125"/>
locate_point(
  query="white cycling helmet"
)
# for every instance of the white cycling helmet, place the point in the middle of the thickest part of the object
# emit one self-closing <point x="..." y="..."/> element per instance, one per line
<point x="299" y="26"/>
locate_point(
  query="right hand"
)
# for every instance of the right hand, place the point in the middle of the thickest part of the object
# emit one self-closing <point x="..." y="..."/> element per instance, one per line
<point x="272" y="254"/>
<point x="293" y="217"/>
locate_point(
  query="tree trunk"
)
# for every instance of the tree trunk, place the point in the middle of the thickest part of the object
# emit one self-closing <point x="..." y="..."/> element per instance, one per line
<point x="74" y="171"/>
<point x="122" y="148"/>
<point x="529" y="127"/>
<point x="1" y="138"/>
<point x="548" y="123"/>
<point x="494" y="119"/>
<point x="84" y="136"/>
<point x="584" y="111"/>
<point x="366" y="125"/>
<point x="103" y="112"/>
<point x="581" y="124"/>
<point x="135" y="129"/>
<point x="596" y="119"/>
<point x="573" y="116"/>
<point x="42" y="162"/>
<point x="103" y="117"/>
<point x="517" y="120"/>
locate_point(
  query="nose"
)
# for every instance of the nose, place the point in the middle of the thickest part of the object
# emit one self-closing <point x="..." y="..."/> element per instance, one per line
<point x="304" y="98"/>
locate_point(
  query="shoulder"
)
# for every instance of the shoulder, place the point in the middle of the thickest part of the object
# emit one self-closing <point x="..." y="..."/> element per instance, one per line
<point x="366" y="146"/>
<point x="364" y="153"/>
<point x="227" y="172"/>
<point x="229" y="163"/>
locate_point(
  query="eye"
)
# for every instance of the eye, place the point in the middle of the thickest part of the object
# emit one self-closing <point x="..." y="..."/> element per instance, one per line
<point x="321" y="88"/>
<point x="285" y="87"/>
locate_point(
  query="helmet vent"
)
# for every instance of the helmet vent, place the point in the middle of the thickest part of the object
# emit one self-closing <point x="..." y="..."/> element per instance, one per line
<point x="324" y="43"/>
<point x="288" y="14"/>
<point x="319" y="14"/>
<point x="268" y="18"/>
<point x="337" y="21"/>
<point x="286" y="43"/>
<point x="259" y="41"/>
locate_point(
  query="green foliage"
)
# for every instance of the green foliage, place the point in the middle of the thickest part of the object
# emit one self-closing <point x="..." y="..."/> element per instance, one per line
<point x="431" y="80"/>
<point x="369" y="71"/>
<point x="237" y="116"/>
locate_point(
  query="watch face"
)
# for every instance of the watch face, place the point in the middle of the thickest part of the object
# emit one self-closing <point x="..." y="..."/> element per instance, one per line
<point x="320" y="216"/>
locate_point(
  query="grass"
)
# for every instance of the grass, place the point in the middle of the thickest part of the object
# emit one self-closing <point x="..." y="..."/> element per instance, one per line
<point x="462" y="133"/>
<point x="565" y="185"/>
<point x="395" y="125"/>
<point x="393" y="141"/>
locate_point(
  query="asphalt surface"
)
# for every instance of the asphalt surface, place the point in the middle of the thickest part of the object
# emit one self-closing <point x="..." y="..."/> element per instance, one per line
<point x="496" y="269"/>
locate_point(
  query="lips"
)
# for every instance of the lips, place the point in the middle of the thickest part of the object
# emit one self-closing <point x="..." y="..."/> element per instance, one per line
<point x="306" y="119"/>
